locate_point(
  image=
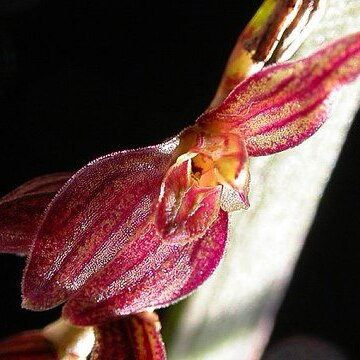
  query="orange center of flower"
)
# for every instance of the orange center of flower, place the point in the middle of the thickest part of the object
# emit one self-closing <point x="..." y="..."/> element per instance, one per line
<point x="216" y="158"/>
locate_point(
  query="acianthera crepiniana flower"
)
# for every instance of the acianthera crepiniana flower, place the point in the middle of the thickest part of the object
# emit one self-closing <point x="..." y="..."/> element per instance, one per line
<point x="144" y="228"/>
<point x="132" y="337"/>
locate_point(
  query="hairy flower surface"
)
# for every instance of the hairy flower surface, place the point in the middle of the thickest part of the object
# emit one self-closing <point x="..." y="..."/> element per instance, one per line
<point x="144" y="228"/>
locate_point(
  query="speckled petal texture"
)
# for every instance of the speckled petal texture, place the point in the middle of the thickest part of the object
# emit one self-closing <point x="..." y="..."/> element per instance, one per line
<point x="21" y="211"/>
<point x="95" y="216"/>
<point x="283" y="105"/>
<point x="130" y="338"/>
<point x="149" y="273"/>
<point x="138" y="228"/>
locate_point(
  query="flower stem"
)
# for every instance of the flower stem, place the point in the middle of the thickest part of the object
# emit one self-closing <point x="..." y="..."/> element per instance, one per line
<point x="72" y="342"/>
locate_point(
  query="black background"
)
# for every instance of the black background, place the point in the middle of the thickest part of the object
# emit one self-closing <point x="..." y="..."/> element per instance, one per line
<point x="82" y="79"/>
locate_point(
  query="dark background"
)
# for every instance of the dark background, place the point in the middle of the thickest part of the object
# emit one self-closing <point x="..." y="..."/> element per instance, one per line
<point x="81" y="80"/>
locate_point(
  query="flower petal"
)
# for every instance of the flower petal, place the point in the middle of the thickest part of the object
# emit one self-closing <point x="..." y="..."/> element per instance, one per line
<point x="39" y="185"/>
<point x="96" y="214"/>
<point x="22" y="209"/>
<point x="148" y="273"/>
<point x="185" y="211"/>
<point x="28" y="345"/>
<point x="272" y="35"/>
<point x="283" y="105"/>
<point x="134" y="337"/>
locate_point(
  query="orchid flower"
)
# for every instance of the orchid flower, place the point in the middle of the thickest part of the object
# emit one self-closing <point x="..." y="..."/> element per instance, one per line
<point x="144" y="228"/>
<point x="131" y="337"/>
<point x="141" y="229"/>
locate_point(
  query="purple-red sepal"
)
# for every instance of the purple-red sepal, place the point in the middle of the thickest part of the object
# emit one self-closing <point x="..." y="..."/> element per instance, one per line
<point x="21" y="211"/>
